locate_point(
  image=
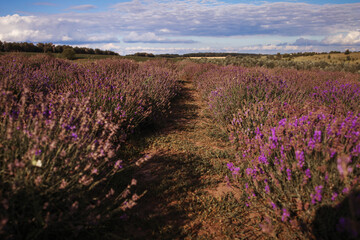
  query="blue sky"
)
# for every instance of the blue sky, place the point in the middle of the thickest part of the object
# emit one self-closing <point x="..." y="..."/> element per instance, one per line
<point x="183" y="26"/>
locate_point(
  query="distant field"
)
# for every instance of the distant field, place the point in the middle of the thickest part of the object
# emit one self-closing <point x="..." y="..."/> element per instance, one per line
<point x="208" y="57"/>
<point x="353" y="58"/>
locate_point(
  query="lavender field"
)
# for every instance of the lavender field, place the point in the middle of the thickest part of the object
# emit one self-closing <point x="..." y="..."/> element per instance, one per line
<point x="65" y="173"/>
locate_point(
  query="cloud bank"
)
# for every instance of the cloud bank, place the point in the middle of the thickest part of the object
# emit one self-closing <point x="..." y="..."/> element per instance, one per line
<point x="150" y="37"/>
<point x="177" y="22"/>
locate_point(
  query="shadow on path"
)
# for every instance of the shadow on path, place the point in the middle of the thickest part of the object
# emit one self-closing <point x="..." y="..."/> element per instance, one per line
<point x="339" y="222"/>
<point x="171" y="171"/>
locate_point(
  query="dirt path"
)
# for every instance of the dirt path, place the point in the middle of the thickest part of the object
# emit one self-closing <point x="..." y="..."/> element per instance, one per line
<point x="182" y="172"/>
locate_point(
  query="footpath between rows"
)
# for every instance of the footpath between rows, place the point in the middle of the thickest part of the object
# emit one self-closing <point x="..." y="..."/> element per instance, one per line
<point x="182" y="172"/>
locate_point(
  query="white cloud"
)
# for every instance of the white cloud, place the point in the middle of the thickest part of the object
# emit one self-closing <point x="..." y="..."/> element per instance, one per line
<point x="150" y="37"/>
<point x="350" y="38"/>
<point x="145" y="37"/>
<point x="268" y="48"/>
<point x="56" y="29"/>
<point x="271" y="48"/>
<point x="194" y="18"/>
<point x="164" y="30"/>
<point x="162" y="50"/>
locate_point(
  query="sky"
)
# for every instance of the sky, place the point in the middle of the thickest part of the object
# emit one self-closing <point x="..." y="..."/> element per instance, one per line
<point x="186" y="26"/>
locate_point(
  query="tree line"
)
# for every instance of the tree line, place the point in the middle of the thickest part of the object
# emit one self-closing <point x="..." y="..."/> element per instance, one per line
<point x="49" y="48"/>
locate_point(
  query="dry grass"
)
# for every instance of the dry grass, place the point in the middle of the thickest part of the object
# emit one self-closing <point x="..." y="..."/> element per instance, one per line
<point x="334" y="58"/>
<point x="208" y="57"/>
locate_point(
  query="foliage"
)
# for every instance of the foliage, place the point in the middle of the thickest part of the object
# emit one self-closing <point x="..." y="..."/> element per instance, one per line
<point x="68" y="53"/>
<point x="48" y="47"/>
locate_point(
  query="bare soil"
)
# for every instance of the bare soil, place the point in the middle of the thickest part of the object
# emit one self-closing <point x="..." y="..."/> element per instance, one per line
<point x="182" y="174"/>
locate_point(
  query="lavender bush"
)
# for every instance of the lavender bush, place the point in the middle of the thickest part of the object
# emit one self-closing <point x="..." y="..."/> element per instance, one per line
<point x="61" y="127"/>
<point x="297" y="137"/>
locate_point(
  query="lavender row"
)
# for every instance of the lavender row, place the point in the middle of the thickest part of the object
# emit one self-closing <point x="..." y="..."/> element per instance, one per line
<point x="61" y="127"/>
<point x="297" y="134"/>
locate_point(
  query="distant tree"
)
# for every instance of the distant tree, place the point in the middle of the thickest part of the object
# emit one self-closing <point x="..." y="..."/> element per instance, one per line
<point x="140" y="54"/>
<point x="347" y="52"/>
<point x="59" y="49"/>
<point x="49" y="47"/>
<point x="98" y="51"/>
<point x="40" y="46"/>
<point x="82" y="50"/>
<point x="68" y="53"/>
<point x="286" y="55"/>
<point x="11" y="47"/>
<point x="90" y="51"/>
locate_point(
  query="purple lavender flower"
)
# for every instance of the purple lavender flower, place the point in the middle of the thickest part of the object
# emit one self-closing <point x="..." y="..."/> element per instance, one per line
<point x="74" y="135"/>
<point x="288" y="173"/>
<point x="267" y="189"/>
<point x="334" y="196"/>
<point x="332" y="153"/>
<point x="318" y="190"/>
<point x="311" y="143"/>
<point x="285" y="215"/>
<point x="259" y="135"/>
<point x="250" y="172"/>
<point x="317" y="136"/>
<point x="235" y="171"/>
<point x="308" y="173"/>
<point x="273" y="139"/>
<point x="263" y="159"/>
<point x="230" y="166"/>
<point x="356" y="150"/>
<point x="282" y="122"/>
<point x="38" y="152"/>
<point x="300" y="157"/>
<point x="317" y="196"/>
<point x="313" y="200"/>
<point x="273" y="205"/>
